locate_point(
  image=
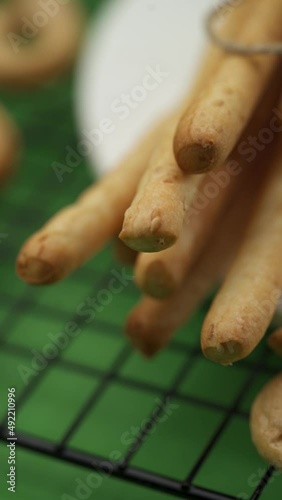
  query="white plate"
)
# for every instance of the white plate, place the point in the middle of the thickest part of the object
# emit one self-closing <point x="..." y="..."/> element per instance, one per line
<point x="125" y="46"/>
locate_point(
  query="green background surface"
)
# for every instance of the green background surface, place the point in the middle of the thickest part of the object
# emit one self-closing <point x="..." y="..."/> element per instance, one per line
<point x="204" y="396"/>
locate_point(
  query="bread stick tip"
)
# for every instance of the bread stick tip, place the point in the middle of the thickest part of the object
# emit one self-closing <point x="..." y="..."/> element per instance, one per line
<point x="34" y="271"/>
<point x="157" y="282"/>
<point x="136" y="332"/>
<point x="147" y="243"/>
<point x="224" y="353"/>
<point x="44" y="258"/>
<point x="197" y="158"/>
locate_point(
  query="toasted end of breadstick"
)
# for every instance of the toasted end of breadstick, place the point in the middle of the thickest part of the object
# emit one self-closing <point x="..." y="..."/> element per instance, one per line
<point x="225" y="353"/>
<point x="224" y="346"/>
<point x="266" y="422"/>
<point x="138" y="335"/>
<point x="144" y="337"/>
<point x="156" y="280"/>
<point x="275" y="342"/>
<point x="154" y="231"/>
<point x="43" y="259"/>
<point x="196" y="146"/>
<point x="34" y="271"/>
<point x="197" y="158"/>
<point x="144" y="242"/>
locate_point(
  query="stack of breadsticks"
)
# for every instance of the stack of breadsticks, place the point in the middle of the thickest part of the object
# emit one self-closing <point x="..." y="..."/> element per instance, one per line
<point x="199" y="201"/>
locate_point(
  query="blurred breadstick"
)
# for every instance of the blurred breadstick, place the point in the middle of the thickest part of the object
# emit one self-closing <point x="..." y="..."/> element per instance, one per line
<point x="123" y="253"/>
<point x="153" y="322"/>
<point x="266" y="422"/>
<point x="212" y="125"/>
<point x="155" y="218"/>
<point x="161" y="274"/>
<point x="74" y="234"/>
<point x="10" y="145"/>
<point x="50" y="48"/>
<point x="275" y="341"/>
<point x="243" y="308"/>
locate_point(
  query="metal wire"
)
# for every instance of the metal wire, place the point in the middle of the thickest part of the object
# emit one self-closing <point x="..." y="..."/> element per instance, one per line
<point x="233" y="46"/>
<point x="124" y="470"/>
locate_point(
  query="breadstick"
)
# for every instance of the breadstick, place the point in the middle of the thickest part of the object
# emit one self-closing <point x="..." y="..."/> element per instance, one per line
<point x="243" y="308"/>
<point x="57" y="40"/>
<point x="266" y="422"/>
<point x="159" y="275"/>
<point x="10" y="145"/>
<point x="74" y="234"/>
<point x="275" y="341"/>
<point x="212" y="125"/>
<point x="153" y="322"/>
<point x="155" y="218"/>
<point x="123" y="253"/>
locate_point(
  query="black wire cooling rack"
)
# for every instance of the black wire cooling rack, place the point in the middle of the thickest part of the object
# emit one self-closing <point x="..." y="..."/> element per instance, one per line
<point x="123" y="470"/>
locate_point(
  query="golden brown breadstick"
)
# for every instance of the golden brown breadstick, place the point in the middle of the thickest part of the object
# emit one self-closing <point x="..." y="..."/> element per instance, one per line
<point x="266" y="422"/>
<point x="77" y="232"/>
<point x="123" y="253"/>
<point x="243" y="308"/>
<point x="153" y="322"/>
<point x="36" y="44"/>
<point x="155" y="219"/>
<point x="275" y="341"/>
<point x="212" y="125"/>
<point x="10" y="145"/>
<point x="159" y="275"/>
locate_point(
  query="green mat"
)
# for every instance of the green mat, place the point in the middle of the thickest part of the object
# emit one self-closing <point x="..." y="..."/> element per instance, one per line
<point x="96" y="394"/>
